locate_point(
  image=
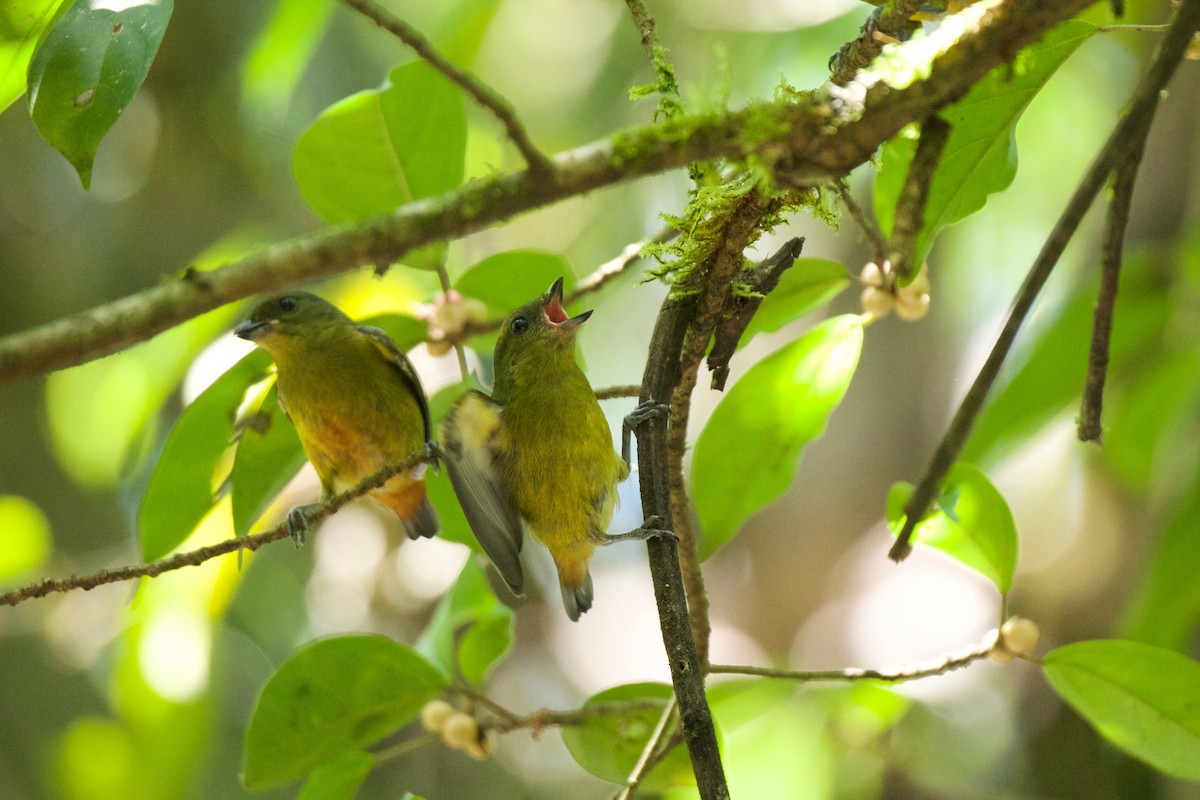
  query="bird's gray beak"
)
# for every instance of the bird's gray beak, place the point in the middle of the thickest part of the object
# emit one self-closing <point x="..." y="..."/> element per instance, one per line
<point x="251" y="330"/>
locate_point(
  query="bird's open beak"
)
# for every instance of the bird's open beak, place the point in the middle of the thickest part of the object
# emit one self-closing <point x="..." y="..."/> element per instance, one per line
<point x="555" y="314"/>
<point x="251" y="331"/>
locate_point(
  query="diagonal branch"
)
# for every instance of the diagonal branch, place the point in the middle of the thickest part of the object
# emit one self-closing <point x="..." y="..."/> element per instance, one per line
<point x="483" y="94"/>
<point x="817" y="135"/>
<point x="1129" y="134"/>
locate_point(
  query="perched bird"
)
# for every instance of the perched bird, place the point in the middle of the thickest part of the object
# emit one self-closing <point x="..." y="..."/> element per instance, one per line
<point x="539" y="449"/>
<point x="354" y="398"/>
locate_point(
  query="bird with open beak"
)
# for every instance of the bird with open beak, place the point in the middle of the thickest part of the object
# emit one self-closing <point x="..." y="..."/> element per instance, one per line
<point x="539" y="450"/>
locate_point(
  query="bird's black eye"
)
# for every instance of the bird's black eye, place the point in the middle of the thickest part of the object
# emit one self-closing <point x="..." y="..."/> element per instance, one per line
<point x="519" y="325"/>
<point x="287" y="303"/>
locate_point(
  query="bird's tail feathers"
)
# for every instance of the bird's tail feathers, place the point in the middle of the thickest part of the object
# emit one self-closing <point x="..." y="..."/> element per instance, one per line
<point x="425" y="524"/>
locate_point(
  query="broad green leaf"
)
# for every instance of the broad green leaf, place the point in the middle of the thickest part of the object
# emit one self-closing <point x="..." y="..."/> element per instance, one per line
<point x="87" y="69"/>
<point x="511" y="279"/>
<point x="26" y="533"/>
<point x="22" y="23"/>
<point x="609" y="745"/>
<point x="971" y="523"/>
<point x="470" y="630"/>
<point x="1046" y="377"/>
<point x="809" y="284"/>
<point x="980" y="156"/>
<point x="741" y="701"/>
<point x="334" y="696"/>
<point x="280" y="55"/>
<point x="750" y="448"/>
<point x="381" y="148"/>
<point x="268" y="456"/>
<point x="1143" y="699"/>
<point x="339" y="779"/>
<point x="1166" y="607"/>
<point x="180" y="490"/>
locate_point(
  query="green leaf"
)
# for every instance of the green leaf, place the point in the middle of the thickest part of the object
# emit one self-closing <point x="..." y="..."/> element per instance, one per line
<point x="180" y="490"/>
<point x="339" y="779"/>
<point x="381" y="148"/>
<point x="471" y="628"/>
<point x="27" y="540"/>
<point x="22" y="23"/>
<point x="808" y="285"/>
<point x="333" y="697"/>
<point x="268" y="456"/>
<point x="980" y="156"/>
<point x="508" y="280"/>
<point x="609" y="745"/>
<point x="84" y="73"/>
<point x="1143" y="699"/>
<point x="972" y="523"/>
<point x="750" y="448"/>
<point x="280" y="55"/>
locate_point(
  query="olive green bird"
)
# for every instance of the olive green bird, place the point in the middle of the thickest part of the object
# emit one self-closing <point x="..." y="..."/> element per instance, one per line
<point x="354" y="398"/>
<point x="539" y="450"/>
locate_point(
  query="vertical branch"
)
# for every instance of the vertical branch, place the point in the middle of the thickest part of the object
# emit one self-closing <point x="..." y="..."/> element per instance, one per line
<point x="1130" y="133"/>
<point x="910" y="208"/>
<point x="1110" y="271"/>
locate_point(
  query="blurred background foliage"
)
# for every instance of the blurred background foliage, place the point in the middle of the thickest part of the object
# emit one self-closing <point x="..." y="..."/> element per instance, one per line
<point x="145" y="691"/>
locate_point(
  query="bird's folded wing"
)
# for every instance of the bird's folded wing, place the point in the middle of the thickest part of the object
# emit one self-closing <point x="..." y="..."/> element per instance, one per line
<point x="470" y="445"/>
<point x="404" y="368"/>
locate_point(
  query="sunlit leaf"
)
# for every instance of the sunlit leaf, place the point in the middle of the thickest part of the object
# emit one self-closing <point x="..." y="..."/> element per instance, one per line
<point x="750" y="448"/>
<point x="980" y="156"/>
<point x="26" y="534"/>
<point x="180" y="490"/>
<point x="971" y="522"/>
<point x="470" y="630"/>
<point x="1143" y="699"/>
<point x="380" y="148"/>
<point x="281" y="53"/>
<point x="22" y="22"/>
<point x="88" y="68"/>
<point x="339" y="779"/>
<point x="333" y="697"/>
<point x="809" y="284"/>
<point x="608" y="745"/>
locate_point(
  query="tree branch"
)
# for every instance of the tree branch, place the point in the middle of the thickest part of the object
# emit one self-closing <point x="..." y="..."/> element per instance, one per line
<point x="483" y="94"/>
<point x="194" y="558"/>
<point x="939" y="667"/>
<point x="1131" y="130"/>
<point x="811" y="137"/>
<point x="910" y="208"/>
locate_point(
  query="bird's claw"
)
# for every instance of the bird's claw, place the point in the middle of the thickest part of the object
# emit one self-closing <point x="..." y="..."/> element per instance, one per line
<point x="297" y="524"/>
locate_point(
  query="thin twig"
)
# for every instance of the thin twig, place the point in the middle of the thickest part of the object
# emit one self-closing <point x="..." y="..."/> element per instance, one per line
<point x="1129" y="131"/>
<point x="193" y="558"/>
<point x="483" y="94"/>
<point x="910" y="207"/>
<point x="459" y="352"/>
<point x="892" y="20"/>
<point x="537" y="721"/>
<point x="940" y="667"/>
<point x="646" y="759"/>
<point x="405" y="747"/>
<point x="1132" y="28"/>
<point x="821" y="147"/>
<point x="612" y="392"/>
<point x="879" y="243"/>
<point x="1110" y="271"/>
<point x="669" y="102"/>
<point x="612" y="269"/>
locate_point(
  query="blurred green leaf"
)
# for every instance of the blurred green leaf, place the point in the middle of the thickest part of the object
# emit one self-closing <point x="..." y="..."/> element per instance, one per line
<point x="980" y="157"/>
<point x="1143" y="699"/>
<point x="281" y="53"/>
<point x="506" y="281"/>
<point x="338" y="779"/>
<point x="334" y="696"/>
<point x="381" y="148"/>
<point x="470" y="630"/>
<point x="609" y="745"/>
<point x="22" y="23"/>
<point x="808" y="285"/>
<point x="1166" y="605"/>
<point x="268" y="456"/>
<point x="750" y="448"/>
<point x="972" y="523"/>
<point x="739" y="702"/>
<point x="1046" y="377"/>
<point x="26" y="533"/>
<point x="87" y="69"/>
<point x="180" y="490"/>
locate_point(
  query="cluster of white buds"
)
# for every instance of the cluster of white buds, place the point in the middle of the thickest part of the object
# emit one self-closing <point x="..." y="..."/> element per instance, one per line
<point x="458" y="729"/>
<point x="447" y="315"/>
<point x="1017" y="637"/>
<point x="881" y="294"/>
